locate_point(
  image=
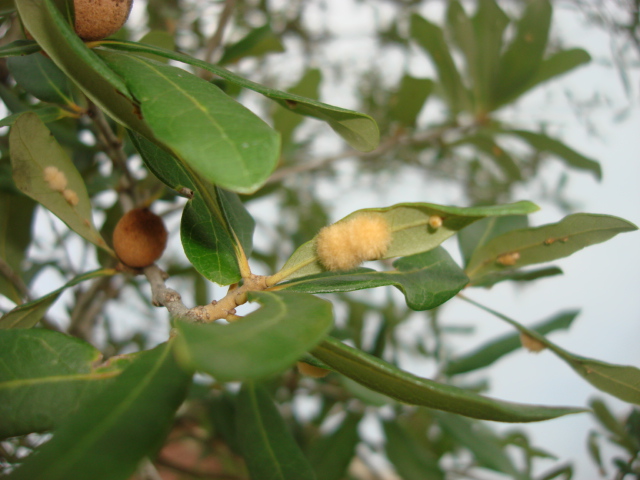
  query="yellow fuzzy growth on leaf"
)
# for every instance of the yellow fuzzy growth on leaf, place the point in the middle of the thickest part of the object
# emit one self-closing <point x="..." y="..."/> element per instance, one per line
<point x="532" y="344"/>
<point x="71" y="197"/>
<point x="55" y="179"/>
<point x="345" y="245"/>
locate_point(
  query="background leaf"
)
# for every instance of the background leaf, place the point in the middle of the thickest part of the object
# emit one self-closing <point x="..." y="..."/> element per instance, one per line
<point x="39" y="76"/>
<point x="408" y="101"/>
<point x="384" y="378"/>
<point x="45" y="376"/>
<point x="427" y="279"/>
<point x="261" y="344"/>
<point x="331" y="455"/>
<point x="258" y="42"/>
<point x="545" y="243"/>
<point x="409" y="460"/>
<point x="30" y="313"/>
<point x="498" y="348"/>
<point x="33" y="149"/>
<point x="107" y="437"/>
<point x="268" y="447"/>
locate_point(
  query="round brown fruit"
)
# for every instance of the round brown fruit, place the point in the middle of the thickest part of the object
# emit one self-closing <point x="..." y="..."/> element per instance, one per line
<point x="97" y="19"/>
<point x="139" y="238"/>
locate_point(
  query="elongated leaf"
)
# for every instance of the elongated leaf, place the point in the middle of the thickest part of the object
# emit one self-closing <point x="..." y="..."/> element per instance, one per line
<point x="409" y="99"/>
<point x="330" y="456"/>
<point x="56" y="37"/>
<point x="502" y="159"/>
<point x="219" y="138"/>
<point x="384" y="378"/>
<point x="358" y="129"/>
<point x="546" y="243"/>
<point x="109" y="435"/>
<point x="410" y="461"/>
<point x="28" y="314"/>
<point x="622" y="381"/>
<point x="427" y="279"/>
<point x="485" y="446"/>
<point x="430" y="37"/>
<point x="479" y="233"/>
<point x="496" y="349"/>
<point x="543" y="143"/>
<point x="45" y="376"/>
<point x="39" y="76"/>
<point x="19" y="47"/>
<point x="33" y="151"/>
<point x="411" y="232"/>
<point x="215" y="224"/>
<point x="259" y="345"/>
<point x="46" y="115"/>
<point x="524" y="55"/>
<point x="516" y="276"/>
<point x="268" y="447"/>
<point x="16" y="214"/>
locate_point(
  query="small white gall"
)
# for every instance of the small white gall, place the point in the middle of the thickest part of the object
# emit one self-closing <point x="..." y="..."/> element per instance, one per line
<point x="435" y="221"/>
<point x="345" y="245"/>
<point x="55" y="179"/>
<point x="71" y="197"/>
<point x="508" y="259"/>
<point x="532" y="344"/>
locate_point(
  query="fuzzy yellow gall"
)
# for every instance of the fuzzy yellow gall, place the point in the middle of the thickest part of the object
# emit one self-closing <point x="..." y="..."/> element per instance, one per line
<point x="55" y="179"/>
<point x="435" y="221"/>
<point x="508" y="259"/>
<point x="532" y="344"/>
<point x="345" y="245"/>
<point x="97" y="19"/>
<point x="139" y="238"/>
<point x="311" y="370"/>
<point x="71" y="197"/>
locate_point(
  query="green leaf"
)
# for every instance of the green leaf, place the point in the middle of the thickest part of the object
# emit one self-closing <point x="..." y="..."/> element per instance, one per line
<point x="28" y="314"/>
<point x="557" y="64"/>
<point x="284" y="120"/>
<point x="45" y="376"/>
<point x="384" y="378"/>
<point x="259" y="345"/>
<point x="622" y="381"/>
<point x="159" y="38"/>
<point x="496" y="349"/>
<point x="56" y="37"/>
<point x="406" y="104"/>
<point x="544" y="244"/>
<point x="215" y="225"/>
<point x="109" y="435"/>
<point x="331" y="455"/>
<point x="427" y="279"/>
<point x="409" y="460"/>
<point x="431" y="38"/>
<point x="523" y="57"/>
<point x="256" y="43"/>
<point x="411" y="232"/>
<point x="516" y="276"/>
<point x="16" y="215"/>
<point x="268" y="447"/>
<point x="46" y="115"/>
<point x="479" y="233"/>
<point x="33" y="149"/>
<point x="543" y="143"/>
<point x="358" y="129"/>
<point x="486" y="144"/>
<point x="215" y="135"/>
<point x="480" y="441"/>
<point x="19" y="47"/>
<point x="39" y="76"/>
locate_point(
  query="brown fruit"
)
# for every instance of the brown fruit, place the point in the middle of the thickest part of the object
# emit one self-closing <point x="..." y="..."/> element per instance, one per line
<point x="97" y="19"/>
<point x="139" y="238"/>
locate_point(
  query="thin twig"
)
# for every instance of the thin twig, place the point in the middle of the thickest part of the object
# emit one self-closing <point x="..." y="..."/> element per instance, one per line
<point x="89" y="304"/>
<point x="214" y="42"/>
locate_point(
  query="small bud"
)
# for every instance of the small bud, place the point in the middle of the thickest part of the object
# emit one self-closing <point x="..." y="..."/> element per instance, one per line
<point x="346" y="244"/>
<point x="55" y="179"/>
<point x="508" y="259"/>
<point x="71" y="197"/>
<point x="435" y="221"/>
<point x="311" y="370"/>
<point x="532" y="344"/>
